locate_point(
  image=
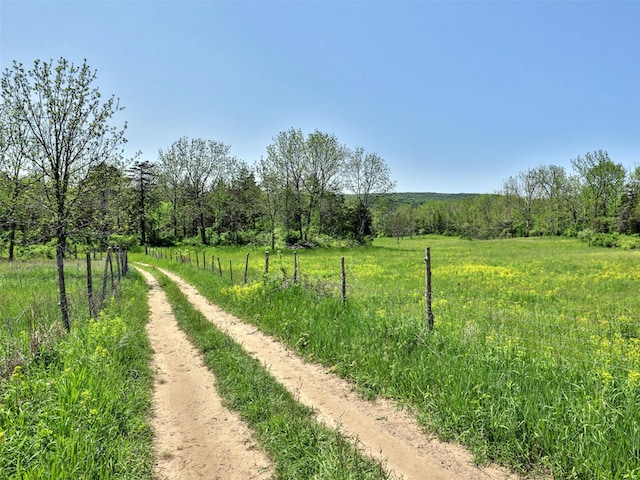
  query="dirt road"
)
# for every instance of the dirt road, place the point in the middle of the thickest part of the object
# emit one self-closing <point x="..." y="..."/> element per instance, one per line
<point x="195" y="436"/>
<point x="381" y="429"/>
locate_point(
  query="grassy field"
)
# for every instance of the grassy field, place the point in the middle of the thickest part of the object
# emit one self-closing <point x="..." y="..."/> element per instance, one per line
<point x="29" y="312"/>
<point x="534" y="361"/>
<point x="72" y="406"/>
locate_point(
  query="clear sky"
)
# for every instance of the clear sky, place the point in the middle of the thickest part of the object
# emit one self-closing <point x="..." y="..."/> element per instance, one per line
<point x="455" y="96"/>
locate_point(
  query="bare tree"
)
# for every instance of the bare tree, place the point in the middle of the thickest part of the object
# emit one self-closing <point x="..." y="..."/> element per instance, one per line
<point x="366" y="176"/>
<point x="323" y="169"/>
<point x="65" y="131"/>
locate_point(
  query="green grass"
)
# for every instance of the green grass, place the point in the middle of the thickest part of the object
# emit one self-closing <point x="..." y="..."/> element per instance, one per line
<point x="79" y="408"/>
<point x="29" y="311"/>
<point x="535" y="357"/>
<point x="299" y="446"/>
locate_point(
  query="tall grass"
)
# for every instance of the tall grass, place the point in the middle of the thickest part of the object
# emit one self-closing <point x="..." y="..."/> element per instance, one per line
<point x="78" y="409"/>
<point x="29" y="311"/>
<point x="534" y="361"/>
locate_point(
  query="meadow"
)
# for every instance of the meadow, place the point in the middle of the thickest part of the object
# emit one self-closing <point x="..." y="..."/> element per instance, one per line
<point x="72" y="405"/>
<point x="534" y="361"/>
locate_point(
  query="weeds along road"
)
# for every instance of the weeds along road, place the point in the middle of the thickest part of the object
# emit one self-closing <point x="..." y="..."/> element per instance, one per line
<point x="379" y="428"/>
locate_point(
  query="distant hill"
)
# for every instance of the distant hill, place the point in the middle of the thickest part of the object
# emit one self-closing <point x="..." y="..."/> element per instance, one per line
<point x="418" y="198"/>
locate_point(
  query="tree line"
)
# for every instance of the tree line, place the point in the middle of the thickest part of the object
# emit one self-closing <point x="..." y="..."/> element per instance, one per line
<point x="598" y="196"/>
<point x="64" y="178"/>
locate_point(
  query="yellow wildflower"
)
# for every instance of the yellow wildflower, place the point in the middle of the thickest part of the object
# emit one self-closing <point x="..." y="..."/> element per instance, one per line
<point x="17" y="372"/>
<point x="607" y="378"/>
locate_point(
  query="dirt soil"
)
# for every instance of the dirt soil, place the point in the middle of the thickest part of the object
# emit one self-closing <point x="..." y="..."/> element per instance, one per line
<point x="379" y="428"/>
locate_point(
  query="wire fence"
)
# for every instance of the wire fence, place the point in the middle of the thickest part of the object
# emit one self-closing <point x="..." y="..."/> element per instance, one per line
<point x="583" y="328"/>
<point x="30" y="316"/>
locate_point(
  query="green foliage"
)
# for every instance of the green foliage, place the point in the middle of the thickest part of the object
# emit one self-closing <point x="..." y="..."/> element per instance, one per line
<point x="125" y="242"/>
<point x="418" y="198"/>
<point x="610" y="240"/>
<point x="45" y="250"/>
<point x="29" y="305"/>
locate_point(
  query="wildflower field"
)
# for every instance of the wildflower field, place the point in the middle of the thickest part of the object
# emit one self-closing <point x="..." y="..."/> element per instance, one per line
<point x="534" y="361"/>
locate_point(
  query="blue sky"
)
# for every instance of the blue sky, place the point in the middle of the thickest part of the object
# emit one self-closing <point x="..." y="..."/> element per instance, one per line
<point x="455" y="96"/>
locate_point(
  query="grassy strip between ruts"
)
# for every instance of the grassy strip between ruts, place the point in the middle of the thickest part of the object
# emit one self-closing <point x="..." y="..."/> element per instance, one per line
<point x="81" y="411"/>
<point x="299" y="446"/>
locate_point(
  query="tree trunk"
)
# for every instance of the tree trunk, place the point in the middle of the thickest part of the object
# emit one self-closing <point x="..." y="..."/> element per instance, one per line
<point x="175" y="218"/>
<point x="273" y="232"/>
<point x="64" y="310"/>
<point x="143" y="230"/>
<point x="12" y="240"/>
<point x="203" y="232"/>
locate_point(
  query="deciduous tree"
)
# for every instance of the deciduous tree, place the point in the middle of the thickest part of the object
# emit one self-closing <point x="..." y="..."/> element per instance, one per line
<point x="14" y="171"/>
<point x="603" y="183"/>
<point x="325" y="159"/>
<point x="287" y="156"/>
<point x="366" y="174"/>
<point x="65" y="131"/>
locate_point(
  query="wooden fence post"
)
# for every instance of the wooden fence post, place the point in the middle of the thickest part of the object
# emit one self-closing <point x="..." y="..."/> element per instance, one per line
<point x="105" y="275"/>
<point x="219" y="267"/>
<point x="113" y="281"/>
<point x="197" y="259"/>
<point x="213" y="263"/>
<point x="295" y="266"/>
<point x="266" y="262"/>
<point x="230" y="272"/>
<point x="246" y="269"/>
<point x="118" y="263"/>
<point x="427" y="289"/>
<point x="92" y="310"/>
<point x="344" y="280"/>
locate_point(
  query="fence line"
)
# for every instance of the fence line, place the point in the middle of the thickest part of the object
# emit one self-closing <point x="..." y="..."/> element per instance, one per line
<point x="21" y="329"/>
<point x="565" y="332"/>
